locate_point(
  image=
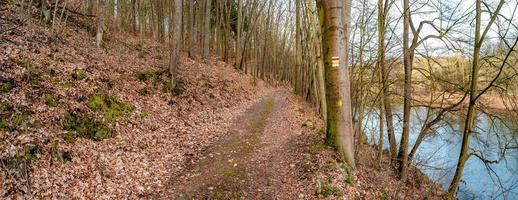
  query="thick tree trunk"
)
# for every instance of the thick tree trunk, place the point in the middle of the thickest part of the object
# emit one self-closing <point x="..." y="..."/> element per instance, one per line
<point x="339" y="117"/>
<point x="176" y="36"/>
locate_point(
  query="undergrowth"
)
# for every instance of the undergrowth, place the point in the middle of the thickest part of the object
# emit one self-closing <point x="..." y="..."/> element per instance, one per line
<point x="109" y="106"/>
<point x="81" y="126"/>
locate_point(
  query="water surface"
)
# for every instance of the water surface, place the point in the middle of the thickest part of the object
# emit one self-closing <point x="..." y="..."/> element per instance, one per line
<point x="494" y="137"/>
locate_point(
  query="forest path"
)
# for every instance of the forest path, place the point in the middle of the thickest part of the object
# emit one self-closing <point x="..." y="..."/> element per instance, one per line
<point x="258" y="159"/>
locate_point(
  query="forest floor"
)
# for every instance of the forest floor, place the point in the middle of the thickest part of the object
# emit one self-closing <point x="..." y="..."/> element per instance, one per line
<point x="77" y="121"/>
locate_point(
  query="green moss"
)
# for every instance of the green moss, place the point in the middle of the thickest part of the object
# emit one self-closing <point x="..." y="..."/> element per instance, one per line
<point x="111" y="107"/>
<point x="6" y="87"/>
<point x="320" y="131"/>
<point x="331" y="165"/>
<point x="143" y="114"/>
<point x="327" y="190"/>
<point x="37" y="125"/>
<point x="68" y="85"/>
<point x="144" y="91"/>
<point x="384" y="194"/>
<point x="144" y="76"/>
<point x="50" y="100"/>
<point x="69" y="137"/>
<point x="84" y="127"/>
<point x="34" y="74"/>
<point x="12" y="2"/>
<point x="30" y="154"/>
<point x="59" y="155"/>
<point x="349" y="179"/>
<point x="315" y="148"/>
<point x="79" y="74"/>
<point x="24" y="63"/>
<point x="13" y="122"/>
<point x="167" y="86"/>
<point x="233" y="172"/>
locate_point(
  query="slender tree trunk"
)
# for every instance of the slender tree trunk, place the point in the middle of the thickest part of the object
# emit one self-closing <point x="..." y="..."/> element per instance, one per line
<point x="334" y="38"/>
<point x="100" y="23"/>
<point x="176" y="34"/>
<point x="134" y="14"/>
<point x="238" y="34"/>
<point x="381" y="119"/>
<point x="382" y="14"/>
<point x="472" y="113"/>
<point x="190" y="34"/>
<point x="91" y="7"/>
<point x="298" y="48"/>
<point x="206" y="29"/>
<point x="407" y="60"/>
<point x="320" y="71"/>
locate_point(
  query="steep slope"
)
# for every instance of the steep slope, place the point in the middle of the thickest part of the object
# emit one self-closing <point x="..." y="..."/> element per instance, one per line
<point x="47" y="76"/>
<point x="77" y="121"/>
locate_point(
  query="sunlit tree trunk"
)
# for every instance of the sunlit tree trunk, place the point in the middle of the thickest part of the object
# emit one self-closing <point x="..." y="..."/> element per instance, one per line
<point x="407" y="62"/>
<point x="383" y="8"/>
<point x="473" y="93"/>
<point x="339" y="117"/>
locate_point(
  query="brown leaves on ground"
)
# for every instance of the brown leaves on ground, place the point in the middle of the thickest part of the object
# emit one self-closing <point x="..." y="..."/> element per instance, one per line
<point x="161" y="135"/>
<point x="46" y="73"/>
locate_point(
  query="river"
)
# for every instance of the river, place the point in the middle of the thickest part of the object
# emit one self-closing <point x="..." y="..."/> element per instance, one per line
<point x="438" y="155"/>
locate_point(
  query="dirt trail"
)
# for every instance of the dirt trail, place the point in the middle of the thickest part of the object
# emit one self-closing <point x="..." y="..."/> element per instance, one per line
<point x="259" y="158"/>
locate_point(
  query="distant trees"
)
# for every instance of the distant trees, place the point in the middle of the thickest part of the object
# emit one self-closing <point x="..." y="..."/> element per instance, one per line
<point x="347" y="73"/>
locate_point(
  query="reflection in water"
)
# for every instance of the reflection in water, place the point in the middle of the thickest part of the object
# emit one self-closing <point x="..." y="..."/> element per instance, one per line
<point x="494" y="138"/>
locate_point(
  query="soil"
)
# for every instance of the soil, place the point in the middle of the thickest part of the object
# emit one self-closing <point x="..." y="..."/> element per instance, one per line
<point x="225" y="135"/>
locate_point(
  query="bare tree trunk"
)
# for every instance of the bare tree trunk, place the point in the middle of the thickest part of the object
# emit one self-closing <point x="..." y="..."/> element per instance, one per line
<point x="206" y="29"/>
<point x="100" y="23"/>
<point x="238" y="34"/>
<point x="320" y="71"/>
<point x="134" y="16"/>
<point x="470" y="118"/>
<point x="298" y="48"/>
<point x="383" y="8"/>
<point x="334" y="38"/>
<point x="190" y="34"/>
<point x="407" y="60"/>
<point x="176" y="34"/>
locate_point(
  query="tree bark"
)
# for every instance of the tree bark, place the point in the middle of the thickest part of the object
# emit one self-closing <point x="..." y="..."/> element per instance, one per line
<point x="383" y="8"/>
<point x="407" y="60"/>
<point x="334" y="39"/>
<point x="471" y="115"/>
<point x="176" y="36"/>
<point x="206" y="30"/>
<point x="100" y="23"/>
<point x="190" y="34"/>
